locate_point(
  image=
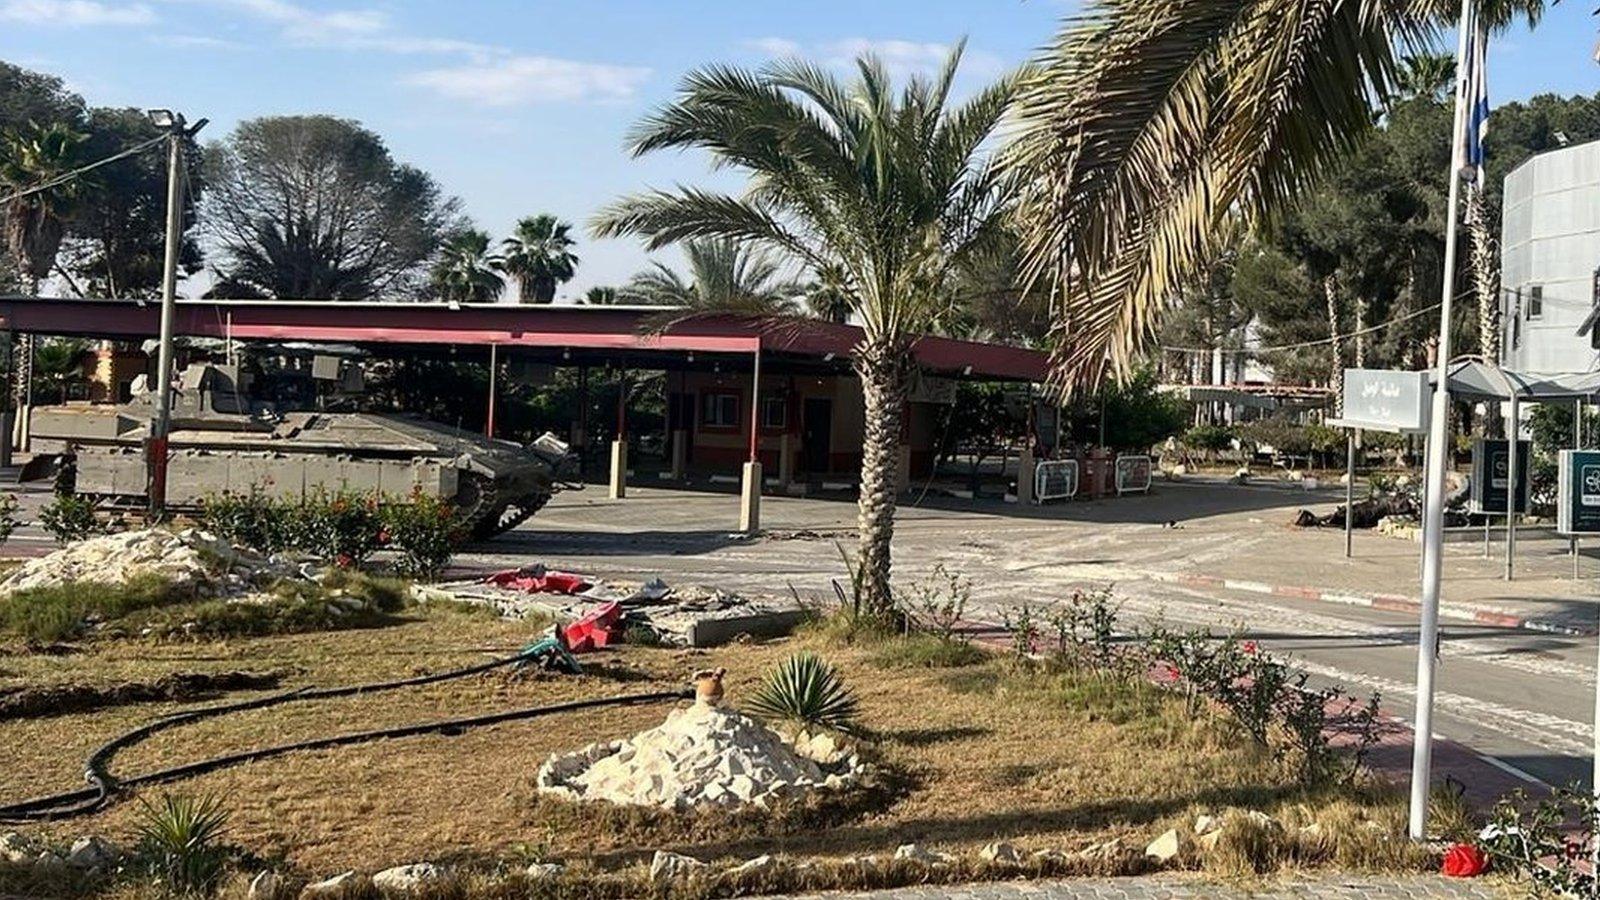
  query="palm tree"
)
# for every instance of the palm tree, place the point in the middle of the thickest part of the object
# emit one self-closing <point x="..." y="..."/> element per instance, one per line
<point x="725" y="275"/>
<point x="1148" y="122"/>
<point x="1428" y="75"/>
<point x="828" y="297"/>
<point x="466" y="271"/>
<point x="36" y="223"/>
<point x="539" y="255"/>
<point x="600" y="296"/>
<point x="891" y="189"/>
<point x="59" y="364"/>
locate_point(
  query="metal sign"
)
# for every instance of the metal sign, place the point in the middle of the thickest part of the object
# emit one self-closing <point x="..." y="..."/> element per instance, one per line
<point x="1386" y="399"/>
<point x="1578" y="497"/>
<point x="1055" y="479"/>
<point x="1133" y="474"/>
<point x="1491" y="463"/>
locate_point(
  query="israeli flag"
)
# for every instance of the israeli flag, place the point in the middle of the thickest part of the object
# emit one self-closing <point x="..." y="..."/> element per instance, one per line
<point x="1475" y="93"/>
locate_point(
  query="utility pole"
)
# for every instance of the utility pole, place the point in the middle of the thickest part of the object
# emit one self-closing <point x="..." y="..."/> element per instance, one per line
<point x="161" y="426"/>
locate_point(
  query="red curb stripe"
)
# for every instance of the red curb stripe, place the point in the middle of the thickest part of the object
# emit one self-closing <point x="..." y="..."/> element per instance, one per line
<point x="1494" y="618"/>
<point x="1300" y="593"/>
<point x="1395" y="604"/>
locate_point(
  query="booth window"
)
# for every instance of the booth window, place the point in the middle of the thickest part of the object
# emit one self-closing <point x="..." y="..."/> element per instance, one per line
<point x="774" y="412"/>
<point x="720" y="411"/>
<point x="1535" y="307"/>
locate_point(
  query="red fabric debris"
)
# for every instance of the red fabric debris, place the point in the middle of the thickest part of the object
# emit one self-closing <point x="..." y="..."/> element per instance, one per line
<point x="1464" y="861"/>
<point x="539" y="581"/>
<point x="600" y="628"/>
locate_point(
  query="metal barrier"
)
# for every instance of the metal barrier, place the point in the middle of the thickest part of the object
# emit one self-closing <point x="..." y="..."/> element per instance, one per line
<point x="1133" y="474"/>
<point x="1055" y="479"/>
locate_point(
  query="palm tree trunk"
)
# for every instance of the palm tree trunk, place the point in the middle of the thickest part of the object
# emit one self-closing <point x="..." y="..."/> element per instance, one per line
<point x="884" y="372"/>
<point x="1485" y="278"/>
<point x="1330" y="289"/>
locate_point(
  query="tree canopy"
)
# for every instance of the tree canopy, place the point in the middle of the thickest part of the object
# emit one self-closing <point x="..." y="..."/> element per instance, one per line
<point x="315" y="207"/>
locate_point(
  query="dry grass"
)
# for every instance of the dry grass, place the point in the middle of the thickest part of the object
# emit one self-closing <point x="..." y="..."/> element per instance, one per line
<point x="979" y="753"/>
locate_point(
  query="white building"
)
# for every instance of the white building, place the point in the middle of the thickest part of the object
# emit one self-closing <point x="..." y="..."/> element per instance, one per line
<point x="1550" y="261"/>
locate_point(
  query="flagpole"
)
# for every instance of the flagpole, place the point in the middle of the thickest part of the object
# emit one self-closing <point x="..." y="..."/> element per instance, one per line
<point x="1438" y="456"/>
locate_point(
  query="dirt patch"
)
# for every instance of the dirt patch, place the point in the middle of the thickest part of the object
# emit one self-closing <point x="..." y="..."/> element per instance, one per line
<point x="72" y="697"/>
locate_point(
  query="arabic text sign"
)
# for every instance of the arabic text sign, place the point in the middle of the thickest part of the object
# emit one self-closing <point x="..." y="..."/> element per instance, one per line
<point x="1386" y="399"/>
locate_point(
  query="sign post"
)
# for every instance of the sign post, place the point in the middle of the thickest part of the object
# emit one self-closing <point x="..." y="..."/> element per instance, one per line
<point x="1377" y="400"/>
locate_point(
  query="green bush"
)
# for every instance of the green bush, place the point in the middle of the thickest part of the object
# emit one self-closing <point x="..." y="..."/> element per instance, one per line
<point x="180" y="840"/>
<point x="342" y="527"/>
<point x="65" y="611"/>
<point x="70" y="518"/>
<point x="8" y="516"/>
<point x="926" y="651"/>
<point x="1209" y="438"/>
<point x="425" y="532"/>
<point x="806" y="690"/>
<point x="252" y="520"/>
<point x="295" y="607"/>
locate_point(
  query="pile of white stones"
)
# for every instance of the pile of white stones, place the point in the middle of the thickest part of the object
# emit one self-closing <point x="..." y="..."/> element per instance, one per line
<point x="701" y="756"/>
<point x="187" y="558"/>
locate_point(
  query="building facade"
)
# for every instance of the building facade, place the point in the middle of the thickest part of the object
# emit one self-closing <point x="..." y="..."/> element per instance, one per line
<point x="1550" y="261"/>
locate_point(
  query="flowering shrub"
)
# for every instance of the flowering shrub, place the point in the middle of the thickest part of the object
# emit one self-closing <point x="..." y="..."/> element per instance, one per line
<point x="1550" y="843"/>
<point x="342" y="527"/>
<point x="251" y="520"/>
<point x="8" y="516"/>
<point x="425" y="532"/>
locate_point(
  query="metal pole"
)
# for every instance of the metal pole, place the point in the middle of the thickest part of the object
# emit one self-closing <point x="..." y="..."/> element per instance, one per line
<point x="1513" y="433"/>
<point x="494" y="374"/>
<point x="1438" y="454"/>
<point x="7" y="353"/>
<point x="1577" y="444"/>
<point x="755" y="410"/>
<point x="1349" y="492"/>
<point x="162" y="425"/>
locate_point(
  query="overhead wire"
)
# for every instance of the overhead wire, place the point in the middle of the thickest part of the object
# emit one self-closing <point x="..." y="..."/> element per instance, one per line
<point x="65" y="177"/>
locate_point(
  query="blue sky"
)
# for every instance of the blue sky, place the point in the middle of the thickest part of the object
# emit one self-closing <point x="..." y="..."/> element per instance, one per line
<point x="521" y="107"/>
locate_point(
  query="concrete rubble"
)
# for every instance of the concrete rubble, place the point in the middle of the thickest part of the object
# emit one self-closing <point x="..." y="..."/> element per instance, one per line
<point x="677" y="615"/>
<point x="188" y="558"/>
<point x="701" y="756"/>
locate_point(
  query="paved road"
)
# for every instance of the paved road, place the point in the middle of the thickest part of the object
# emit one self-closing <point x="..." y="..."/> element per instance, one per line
<point x="1420" y="887"/>
<point x="1521" y="698"/>
<point x="1354" y="888"/>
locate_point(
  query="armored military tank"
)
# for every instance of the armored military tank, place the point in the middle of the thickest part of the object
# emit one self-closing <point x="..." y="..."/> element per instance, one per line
<point x="221" y="441"/>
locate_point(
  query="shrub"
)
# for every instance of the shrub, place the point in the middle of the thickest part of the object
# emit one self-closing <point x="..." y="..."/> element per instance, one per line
<point x="1549" y="844"/>
<point x="8" y="516"/>
<point x="70" y="518"/>
<point x="937" y="605"/>
<point x="1022" y="624"/>
<point x="424" y="530"/>
<point x="1084" y="629"/>
<point x="64" y="611"/>
<point x="1208" y="439"/>
<point x="926" y="651"/>
<point x="179" y="838"/>
<point x="806" y="690"/>
<point x="342" y="527"/>
<point x="251" y="520"/>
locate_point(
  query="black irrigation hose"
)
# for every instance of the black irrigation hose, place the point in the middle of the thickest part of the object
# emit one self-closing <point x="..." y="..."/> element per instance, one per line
<point x="96" y="769"/>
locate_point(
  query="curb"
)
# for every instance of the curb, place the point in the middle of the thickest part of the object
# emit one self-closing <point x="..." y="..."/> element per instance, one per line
<point x="1388" y="602"/>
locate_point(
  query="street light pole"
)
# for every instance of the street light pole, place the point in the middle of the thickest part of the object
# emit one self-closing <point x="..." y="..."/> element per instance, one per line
<point x="161" y="425"/>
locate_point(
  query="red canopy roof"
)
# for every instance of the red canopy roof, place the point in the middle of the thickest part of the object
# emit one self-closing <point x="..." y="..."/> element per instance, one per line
<point x="548" y="326"/>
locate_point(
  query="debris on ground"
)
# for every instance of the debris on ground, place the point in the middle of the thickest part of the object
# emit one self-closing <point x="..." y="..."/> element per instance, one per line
<point x="681" y="616"/>
<point x="536" y="579"/>
<point x="34" y="701"/>
<point x="703" y="755"/>
<point x="188" y="558"/>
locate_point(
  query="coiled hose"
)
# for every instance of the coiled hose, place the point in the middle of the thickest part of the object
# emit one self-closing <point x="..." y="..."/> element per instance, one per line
<point x="102" y="783"/>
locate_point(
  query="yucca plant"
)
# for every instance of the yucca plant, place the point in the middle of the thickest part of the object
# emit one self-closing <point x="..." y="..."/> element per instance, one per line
<point x="179" y="837"/>
<point x="806" y="690"/>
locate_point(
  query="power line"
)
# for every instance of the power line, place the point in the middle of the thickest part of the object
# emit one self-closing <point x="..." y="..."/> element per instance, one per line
<point x="65" y="177"/>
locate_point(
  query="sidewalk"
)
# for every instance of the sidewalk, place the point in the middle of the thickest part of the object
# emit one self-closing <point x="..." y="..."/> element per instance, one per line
<point x="1384" y="572"/>
<point x="1354" y="887"/>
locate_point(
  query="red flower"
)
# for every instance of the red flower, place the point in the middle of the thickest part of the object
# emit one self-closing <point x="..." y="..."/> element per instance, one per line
<point x="383" y="536"/>
<point x="1464" y="861"/>
<point x="1248" y="647"/>
<point x="344" y="561"/>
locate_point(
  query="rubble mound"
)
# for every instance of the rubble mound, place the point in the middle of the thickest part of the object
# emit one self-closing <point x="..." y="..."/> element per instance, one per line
<point x="703" y="755"/>
<point x="189" y="558"/>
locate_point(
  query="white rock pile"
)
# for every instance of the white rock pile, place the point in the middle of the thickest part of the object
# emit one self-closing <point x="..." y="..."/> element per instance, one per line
<point x="701" y="756"/>
<point x="187" y="558"/>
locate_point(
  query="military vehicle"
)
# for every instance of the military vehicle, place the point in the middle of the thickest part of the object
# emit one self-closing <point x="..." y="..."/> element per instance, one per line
<point x="222" y="441"/>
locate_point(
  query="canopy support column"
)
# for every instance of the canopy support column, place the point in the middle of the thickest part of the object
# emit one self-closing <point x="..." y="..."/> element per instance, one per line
<point x="750" y="486"/>
<point x="1349" y="492"/>
<point x="619" y="447"/>
<point x="494" y="374"/>
<point x="1513" y="435"/>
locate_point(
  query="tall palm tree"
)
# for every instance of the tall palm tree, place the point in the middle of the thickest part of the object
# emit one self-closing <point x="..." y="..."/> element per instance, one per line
<point x="891" y="189"/>
<point x="1148" y="122"/>
<point x="539" y="254"/>
<point x="600" y="295"/>
<point x="725" y="275"/>
<point x="1429" y="75"/>
<point x="466" y="271"/>
<point x="35" y="223"/>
